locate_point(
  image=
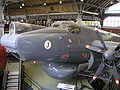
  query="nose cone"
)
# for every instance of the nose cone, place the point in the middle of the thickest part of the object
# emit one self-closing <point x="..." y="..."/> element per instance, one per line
<point x="9" y="42"/>
<point x="34" y="47"/>
<point x="109" y="54"/>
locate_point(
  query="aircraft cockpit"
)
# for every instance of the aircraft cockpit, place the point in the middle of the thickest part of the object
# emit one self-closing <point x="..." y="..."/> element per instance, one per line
<point x="11" y="29"/>
<point x="18" y="28"/>
<point x="69" y="26"/>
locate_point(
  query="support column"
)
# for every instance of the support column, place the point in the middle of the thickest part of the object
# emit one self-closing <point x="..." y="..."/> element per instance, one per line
<point x="1" y="19"/>
<point x="20" y="74"/>
<point x="102" y="17"/>
<point x="79" y="17"/>
<point x="101" y="22"/>
<point x="48" y="22"/>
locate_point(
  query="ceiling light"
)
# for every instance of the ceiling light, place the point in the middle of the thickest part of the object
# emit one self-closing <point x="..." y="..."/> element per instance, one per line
<point x="82" y="0"/>
<point x="20" y="6"/>
<point x="90" y="12"/>
<point x="111" y="2"/>
<point x="60" y="2"/>
<point x="44" y="4"/>
<point x="23" y="4"/>
<point x="21" y="21"/>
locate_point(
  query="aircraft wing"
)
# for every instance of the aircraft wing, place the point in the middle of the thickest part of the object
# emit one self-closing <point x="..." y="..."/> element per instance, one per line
<point x="108" y="44"/>
<point x="108" y="35"/>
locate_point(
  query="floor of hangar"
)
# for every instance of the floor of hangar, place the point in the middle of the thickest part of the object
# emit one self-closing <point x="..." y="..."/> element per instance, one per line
<point x="35" y="71"/>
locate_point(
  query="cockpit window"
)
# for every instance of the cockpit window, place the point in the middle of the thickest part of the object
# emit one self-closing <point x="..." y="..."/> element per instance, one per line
<point x="74" y="29"/>
<point x="11" y="28"/>
<point x="18" y="28"/>
<point x="55" y="25"/>
<point x="21" y="29"/>
<point x="71" y="28"/>
<point x="68" y="26"/>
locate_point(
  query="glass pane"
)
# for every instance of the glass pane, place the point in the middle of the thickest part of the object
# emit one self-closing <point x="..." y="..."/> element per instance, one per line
<point x="113" y="9"/>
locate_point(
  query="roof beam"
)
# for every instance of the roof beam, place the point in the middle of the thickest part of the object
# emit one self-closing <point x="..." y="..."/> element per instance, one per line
<point x="104" y="1"/>
<point x="54" y="4"/>
<point x="70" y="15"/>
<point x="85" y="4"/>
<point x="46" y="9"/>
<point x="112" y="14"/>
<point x="76" y="5"/>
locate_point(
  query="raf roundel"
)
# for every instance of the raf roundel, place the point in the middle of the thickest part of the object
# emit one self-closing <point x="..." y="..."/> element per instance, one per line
<point x="47" y="44"/>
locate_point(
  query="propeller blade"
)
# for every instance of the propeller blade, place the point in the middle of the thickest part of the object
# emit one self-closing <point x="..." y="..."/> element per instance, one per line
<point x="99" y="70"/>
<point x="115" y="74"/>
<point x="101" y="39"/>
<point x="117" y="55"/>
<point x="96" y="49"/>
<point x="90" y="61"/>
<point x="117" y="48"/>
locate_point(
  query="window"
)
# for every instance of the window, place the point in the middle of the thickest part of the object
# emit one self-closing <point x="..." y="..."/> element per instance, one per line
<point x="113" y="9"/>
<point x="74" y="29"/>
<point x="70" y="27"/>
<point x="91" y="23"/>
<point x="11" y="28"/>
<point x="112" y="21"/>
<point x="20" y="28"/>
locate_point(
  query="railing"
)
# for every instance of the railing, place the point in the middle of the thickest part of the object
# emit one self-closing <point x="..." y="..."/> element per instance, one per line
<point x="5" y="75"/>
<point x="32" y="83"/>
<point x="4" y="80"/>
<point x="21" y="73"/>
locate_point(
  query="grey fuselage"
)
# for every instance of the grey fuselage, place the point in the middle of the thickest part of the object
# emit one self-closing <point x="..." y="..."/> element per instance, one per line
<point x="55" y="44"/>
<point x="62" y="48"/>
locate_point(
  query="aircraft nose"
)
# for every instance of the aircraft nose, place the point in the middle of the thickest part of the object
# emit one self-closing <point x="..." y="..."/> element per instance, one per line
<point x="8" y="41"/>
<point x="36" y="47"/>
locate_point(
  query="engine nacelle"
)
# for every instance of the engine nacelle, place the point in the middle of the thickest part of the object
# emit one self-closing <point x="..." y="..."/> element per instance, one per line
<point x="60" y="70"/>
